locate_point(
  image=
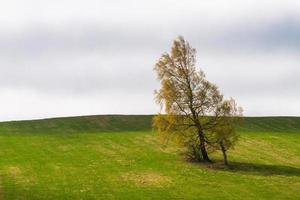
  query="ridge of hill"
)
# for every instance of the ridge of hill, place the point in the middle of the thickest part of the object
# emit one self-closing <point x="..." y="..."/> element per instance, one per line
<point x="110" y="123"/>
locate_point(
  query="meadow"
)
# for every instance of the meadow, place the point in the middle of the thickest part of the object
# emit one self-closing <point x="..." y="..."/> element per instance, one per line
<point x="119" y="157"/>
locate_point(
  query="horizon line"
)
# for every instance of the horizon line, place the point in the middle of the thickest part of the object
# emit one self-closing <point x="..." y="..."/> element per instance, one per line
<point x="94" y="115"/>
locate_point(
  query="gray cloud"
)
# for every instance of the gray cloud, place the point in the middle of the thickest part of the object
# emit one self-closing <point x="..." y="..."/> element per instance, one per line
<point x="74" y="39"/>
<point x="274" y="35"/>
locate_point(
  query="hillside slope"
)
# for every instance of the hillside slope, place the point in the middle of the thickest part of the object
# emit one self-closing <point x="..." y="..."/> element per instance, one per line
<point x="96" y="123"/>
<point x="271" y="124"/>
<point x="111" y="123"/>
<point x="119" y="157"/>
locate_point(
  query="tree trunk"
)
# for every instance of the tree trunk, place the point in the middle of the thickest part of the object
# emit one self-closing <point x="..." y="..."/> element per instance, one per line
<point x="204" y="153"/>
<point x="203" y="149"/>
<point x="224" y="153"/>
<point x="201" y="137"/>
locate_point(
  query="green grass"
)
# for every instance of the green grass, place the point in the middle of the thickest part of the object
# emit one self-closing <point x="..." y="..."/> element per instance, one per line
<point x="118" y="157"/>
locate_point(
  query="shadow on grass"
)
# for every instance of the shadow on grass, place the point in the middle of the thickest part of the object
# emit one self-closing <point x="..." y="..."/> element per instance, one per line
<point x="257" y="169"/>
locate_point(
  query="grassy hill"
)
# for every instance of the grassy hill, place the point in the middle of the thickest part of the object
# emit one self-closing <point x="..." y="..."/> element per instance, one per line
<point x="112" y="123"/>
<point x="118" y="157"/>
<point x="100" y="123"/>
<point x="273" y="124"/>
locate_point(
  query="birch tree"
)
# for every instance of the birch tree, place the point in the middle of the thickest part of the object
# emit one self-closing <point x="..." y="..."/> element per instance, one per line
<point x="191" y="106"/>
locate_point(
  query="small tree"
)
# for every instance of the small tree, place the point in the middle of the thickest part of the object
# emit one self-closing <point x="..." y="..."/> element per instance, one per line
<point x="192" y="104"/>
<point x="224" y="135"/>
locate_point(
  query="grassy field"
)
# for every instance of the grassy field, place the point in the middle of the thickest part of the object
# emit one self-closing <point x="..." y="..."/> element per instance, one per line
<point x="118" y="157"/>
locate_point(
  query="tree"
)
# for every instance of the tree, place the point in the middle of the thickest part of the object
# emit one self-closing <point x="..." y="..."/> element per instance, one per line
<point x="224" y="135"/>
<point x="192" y="104"/>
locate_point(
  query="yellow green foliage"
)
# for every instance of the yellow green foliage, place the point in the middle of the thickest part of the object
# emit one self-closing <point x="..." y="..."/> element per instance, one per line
<point x="194" y="112"/>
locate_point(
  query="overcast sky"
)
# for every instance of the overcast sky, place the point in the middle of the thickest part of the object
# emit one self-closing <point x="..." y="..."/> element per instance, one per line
<point x="71" y="57"/>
